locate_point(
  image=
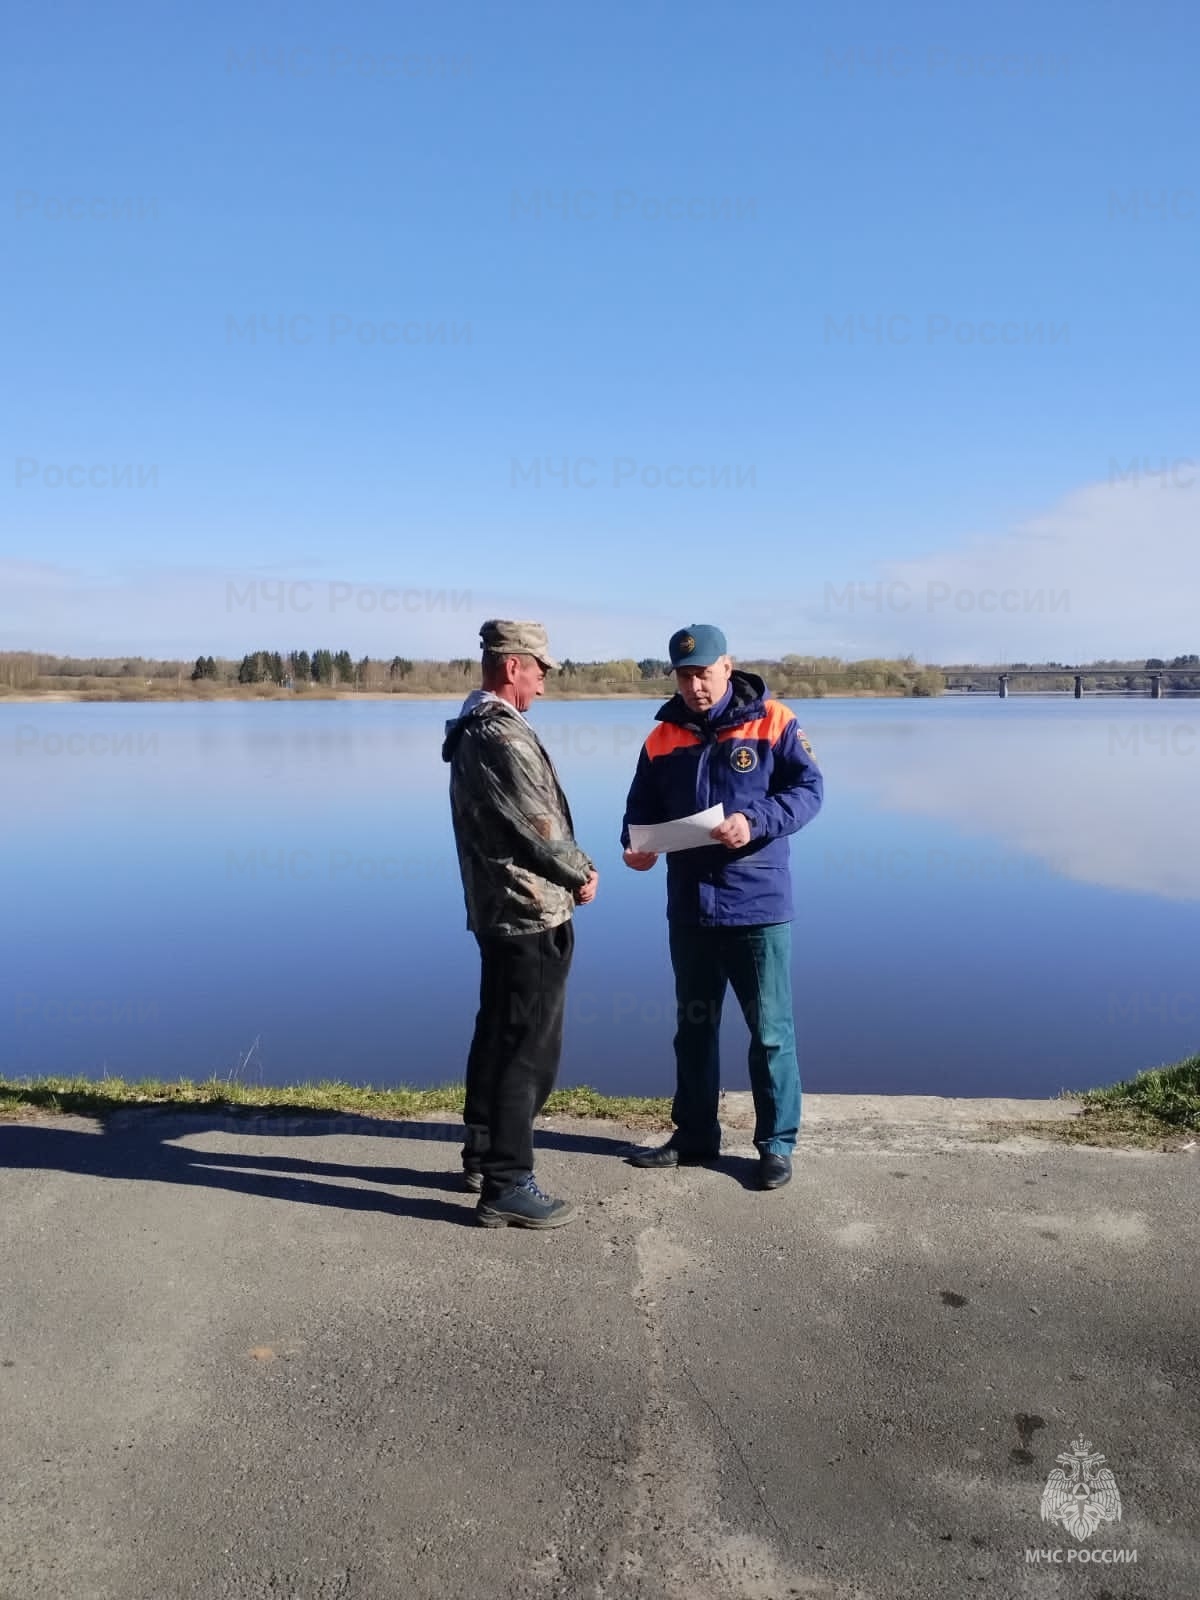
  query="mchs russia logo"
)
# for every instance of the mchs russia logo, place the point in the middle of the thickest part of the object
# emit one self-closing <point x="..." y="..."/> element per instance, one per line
<point x="1080" y="1492"/>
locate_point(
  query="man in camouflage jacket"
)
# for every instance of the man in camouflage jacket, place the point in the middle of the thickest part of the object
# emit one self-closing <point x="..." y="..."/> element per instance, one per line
<point x="523" y="874"/>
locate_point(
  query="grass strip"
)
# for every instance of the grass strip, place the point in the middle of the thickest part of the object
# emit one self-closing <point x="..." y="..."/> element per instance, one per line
<point x="94" y="1097"/>
<point x="1156" y="1109"/>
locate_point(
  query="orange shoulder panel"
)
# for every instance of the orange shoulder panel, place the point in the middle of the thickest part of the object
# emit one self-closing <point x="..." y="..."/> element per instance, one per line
<point x="769" y="726"/>
<point x="668" y="736"/>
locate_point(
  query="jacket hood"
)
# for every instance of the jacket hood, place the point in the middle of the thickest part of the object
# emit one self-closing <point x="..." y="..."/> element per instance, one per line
<point x="479" y="705"/>
<point x="749" y="692"/>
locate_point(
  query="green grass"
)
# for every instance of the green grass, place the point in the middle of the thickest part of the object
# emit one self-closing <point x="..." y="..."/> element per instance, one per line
<point x="1156" y="1109"/>
<point x="1168" y="1096"/>
<point x="100" y="1097"/>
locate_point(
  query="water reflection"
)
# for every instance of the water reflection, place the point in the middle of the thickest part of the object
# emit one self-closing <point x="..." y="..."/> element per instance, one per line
<point x="996" y="899"/>
<point x="1103" y="791"/>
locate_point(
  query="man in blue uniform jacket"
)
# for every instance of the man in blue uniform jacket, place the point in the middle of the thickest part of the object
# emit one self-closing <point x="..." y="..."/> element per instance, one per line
<point x="720" y="739"/>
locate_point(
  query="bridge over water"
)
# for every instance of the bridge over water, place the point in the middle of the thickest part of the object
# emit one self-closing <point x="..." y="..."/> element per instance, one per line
<point x="998" y="678"/>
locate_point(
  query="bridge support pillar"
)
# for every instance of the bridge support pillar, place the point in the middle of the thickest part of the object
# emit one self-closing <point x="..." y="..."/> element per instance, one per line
<point x="1004" y="686"/>
<point x="1079" y="686"/>
<point x="1156" y="687"/>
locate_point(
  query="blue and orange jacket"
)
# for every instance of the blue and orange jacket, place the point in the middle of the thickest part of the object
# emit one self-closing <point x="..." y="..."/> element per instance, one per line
<point x="752" y="758"/>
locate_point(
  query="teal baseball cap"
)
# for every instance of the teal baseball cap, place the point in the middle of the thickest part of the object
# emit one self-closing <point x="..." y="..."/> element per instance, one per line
<point x="697" y="646"/>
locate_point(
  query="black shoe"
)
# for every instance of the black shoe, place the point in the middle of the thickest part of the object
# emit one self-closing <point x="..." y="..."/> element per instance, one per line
<point x="670" y="1155"/>
<point x="472" y="1180"/>
<point x="524" y="1206"/>
<point x="774" y="1171"/>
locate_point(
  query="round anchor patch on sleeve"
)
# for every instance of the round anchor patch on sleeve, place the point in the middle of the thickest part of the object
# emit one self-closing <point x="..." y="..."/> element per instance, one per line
<point x="743" y="758"/>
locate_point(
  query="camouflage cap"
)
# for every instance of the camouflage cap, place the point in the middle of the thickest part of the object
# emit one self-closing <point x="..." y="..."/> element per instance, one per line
<point x="517" y="639"/>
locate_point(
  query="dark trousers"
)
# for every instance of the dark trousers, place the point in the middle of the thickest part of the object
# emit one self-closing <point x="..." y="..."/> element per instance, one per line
<point x="515" y="1051"/>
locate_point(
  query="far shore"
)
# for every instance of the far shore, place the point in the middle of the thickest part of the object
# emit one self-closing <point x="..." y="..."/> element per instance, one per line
<point x="127" y="697"/>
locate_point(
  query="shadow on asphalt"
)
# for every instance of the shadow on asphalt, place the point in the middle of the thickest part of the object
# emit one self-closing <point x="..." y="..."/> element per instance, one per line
<point x="742" y="1168"/>
<point x="137" y="1146"/>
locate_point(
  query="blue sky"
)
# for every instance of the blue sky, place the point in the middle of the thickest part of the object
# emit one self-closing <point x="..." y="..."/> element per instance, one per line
<point x="842" y="328"/>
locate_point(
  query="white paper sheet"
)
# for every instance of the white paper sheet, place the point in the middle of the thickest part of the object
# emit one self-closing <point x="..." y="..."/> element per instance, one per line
<point x="685" y="833"/>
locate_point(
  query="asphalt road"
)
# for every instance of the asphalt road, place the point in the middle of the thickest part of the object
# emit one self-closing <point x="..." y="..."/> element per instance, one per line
<point x="264" y="1358"/>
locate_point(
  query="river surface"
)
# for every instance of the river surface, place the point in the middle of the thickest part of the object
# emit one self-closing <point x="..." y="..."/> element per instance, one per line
<point x="999" y="898"/>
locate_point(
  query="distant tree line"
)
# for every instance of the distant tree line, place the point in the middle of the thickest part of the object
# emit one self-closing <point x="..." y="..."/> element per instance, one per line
<point x="270" y="672"/>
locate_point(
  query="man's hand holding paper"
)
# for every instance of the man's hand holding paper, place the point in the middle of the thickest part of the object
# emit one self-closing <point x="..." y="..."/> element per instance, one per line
<point x="685" y="833"/>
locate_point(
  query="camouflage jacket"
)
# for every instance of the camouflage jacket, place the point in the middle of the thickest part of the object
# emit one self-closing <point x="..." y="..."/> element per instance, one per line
<point x="512" y="826"/>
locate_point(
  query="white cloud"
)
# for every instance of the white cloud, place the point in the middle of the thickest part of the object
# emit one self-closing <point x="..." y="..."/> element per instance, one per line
<point x="182" y="612"/>
<point x="1110" y="571"/>
<point x="1113" y="570"/>
<point x="186" y="611"/>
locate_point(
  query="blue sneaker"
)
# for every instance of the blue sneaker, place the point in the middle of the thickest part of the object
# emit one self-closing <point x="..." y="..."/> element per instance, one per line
<point x="524" y="1206"/>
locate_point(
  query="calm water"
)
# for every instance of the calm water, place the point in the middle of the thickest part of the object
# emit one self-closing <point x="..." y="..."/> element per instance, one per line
<point x="1000" y="897"/>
